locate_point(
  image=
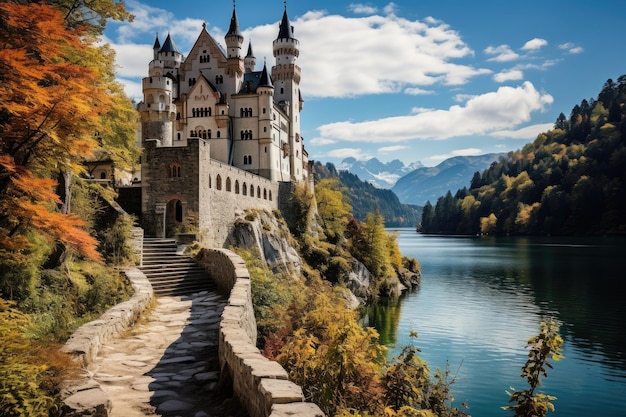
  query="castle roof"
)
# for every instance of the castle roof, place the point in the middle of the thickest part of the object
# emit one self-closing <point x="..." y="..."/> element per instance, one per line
<point x="250" y="54"/>
<point x="265" y="80"/>
<point x="285" y="31"/>
<point x="157" y="44"/>
<point x="169" y="45"/>
<point x="254" y="80"/>
<point x="233" y="30"/>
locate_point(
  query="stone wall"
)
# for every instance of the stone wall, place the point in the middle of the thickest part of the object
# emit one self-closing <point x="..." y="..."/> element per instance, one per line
<point x="85" y="397"/>
<point x="261" y="385"/>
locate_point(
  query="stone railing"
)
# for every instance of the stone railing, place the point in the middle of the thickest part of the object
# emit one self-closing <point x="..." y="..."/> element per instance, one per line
<point x="84" y="396"/>
<point x="261" y="385"/>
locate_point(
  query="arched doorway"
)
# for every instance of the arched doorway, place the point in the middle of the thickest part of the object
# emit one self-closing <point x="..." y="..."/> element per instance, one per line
<point x="173" y="217"/>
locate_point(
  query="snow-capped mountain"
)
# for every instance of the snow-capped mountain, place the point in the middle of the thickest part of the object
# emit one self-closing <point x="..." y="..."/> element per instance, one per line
<point x="377" y="173"/>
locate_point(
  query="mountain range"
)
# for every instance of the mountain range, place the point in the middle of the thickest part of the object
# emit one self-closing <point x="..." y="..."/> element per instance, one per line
<point x="415" y="183"/>
<point x="379" y="174"/>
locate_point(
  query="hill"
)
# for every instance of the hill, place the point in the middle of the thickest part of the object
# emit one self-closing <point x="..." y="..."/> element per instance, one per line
<point x="570" y="181"/>
<point x="377" y="173"/>
<point x="428" y="183"/>
<point x="365" y="198"/>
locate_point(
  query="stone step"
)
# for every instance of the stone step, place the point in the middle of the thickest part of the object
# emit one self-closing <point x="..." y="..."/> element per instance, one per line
<point x="171" y="273"/>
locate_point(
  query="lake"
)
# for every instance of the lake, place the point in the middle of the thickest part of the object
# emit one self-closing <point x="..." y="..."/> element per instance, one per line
<point x="482" y="298"/>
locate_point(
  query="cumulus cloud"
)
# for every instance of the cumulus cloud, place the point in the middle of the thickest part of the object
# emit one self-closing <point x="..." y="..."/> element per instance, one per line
<point x="501" y="53"/>
<point x="366" y="47"/>
<point x="416" y="91"/>
<point x="571" y="48"/>
<point x="525" y="133"/>
<point x="534" y="44"/>
<point x="355" y="153"/>
<point x="483" y="114"/>
<point x="508" y="75"/>
<point x="457" y="152"/>
<point x="394" y="148"/>
<point x="359" y="8"/>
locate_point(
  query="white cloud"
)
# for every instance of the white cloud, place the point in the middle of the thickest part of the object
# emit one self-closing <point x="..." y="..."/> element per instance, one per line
<point x="351" y="44"/>
<point x="503" y="53"/>
<point x="416" y="91"/>
<point x="390" y="8"/>
<point x="534" y="44"/>
<point x="355" y="153"/>
<point x="571" y="48"/>
<point x="457" y="152"/>
<point x="394" y="148"/>
<point x="502" y="109"/>
<point x="322" y="141"/>
<point x="525" y="133"/>
<point x="508" y="75"/>
<point x="359" y="8"/>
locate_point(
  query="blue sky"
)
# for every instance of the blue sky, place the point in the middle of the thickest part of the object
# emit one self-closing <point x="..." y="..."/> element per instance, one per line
<point x="415" y="80"/>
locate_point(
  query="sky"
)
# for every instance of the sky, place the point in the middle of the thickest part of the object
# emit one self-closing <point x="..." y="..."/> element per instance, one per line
<point x="414" y="80"/>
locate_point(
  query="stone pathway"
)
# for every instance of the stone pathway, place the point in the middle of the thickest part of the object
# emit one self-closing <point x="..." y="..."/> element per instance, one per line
<point x="167" y="365"/>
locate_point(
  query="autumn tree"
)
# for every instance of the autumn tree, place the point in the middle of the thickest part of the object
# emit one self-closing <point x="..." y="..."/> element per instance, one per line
<point x="333" y="207"/>
<point x="57" y="91"/>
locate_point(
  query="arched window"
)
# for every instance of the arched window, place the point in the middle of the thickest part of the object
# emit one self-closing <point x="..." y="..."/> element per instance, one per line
<point x="228" y="188"/>
<point x="258" y="191"/>
<point x="264" y="194"/>
<point x="218" y="133"/>
<point x="209" y="133"/>
<point x="244" y="189"/>
<point x="174" y="171"/>
<point x="219" y="182"/>
<point x="252" y="191"/>
<point x="103" y="175"/>
<point x="236" y="186"/>
<point x="270" y="195"/>
<point x="210" y="185"/>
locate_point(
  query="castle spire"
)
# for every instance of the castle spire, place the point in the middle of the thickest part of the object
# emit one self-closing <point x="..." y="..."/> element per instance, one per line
<point x="286" y="30"/>
<point x="234" y="30"/>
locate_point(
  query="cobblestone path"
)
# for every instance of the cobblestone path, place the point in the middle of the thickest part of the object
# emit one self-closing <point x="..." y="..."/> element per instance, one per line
<point x="167" y="364"/>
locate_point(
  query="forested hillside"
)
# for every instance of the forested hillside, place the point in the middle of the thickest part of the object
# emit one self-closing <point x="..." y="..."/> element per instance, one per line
<point x="569" y="181"/>
<point x="365" y="198"/>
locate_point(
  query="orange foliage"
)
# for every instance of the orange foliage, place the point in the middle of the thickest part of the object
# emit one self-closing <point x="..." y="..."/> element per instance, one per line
<point x="52" y="97"/>
<point x="29" y="202"/>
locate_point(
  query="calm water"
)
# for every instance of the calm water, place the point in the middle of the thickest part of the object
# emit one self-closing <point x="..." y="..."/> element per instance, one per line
<point x="482" y="298"/>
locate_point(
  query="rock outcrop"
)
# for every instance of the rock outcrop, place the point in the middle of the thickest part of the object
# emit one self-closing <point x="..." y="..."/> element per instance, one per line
<point x="266" y="232"/>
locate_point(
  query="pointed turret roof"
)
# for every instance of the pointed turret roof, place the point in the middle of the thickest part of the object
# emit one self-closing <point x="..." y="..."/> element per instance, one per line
<point x="169" y="45"/>
<point x="233" y="30"/>
<point x="285" y="31"/>
<point x="265" y="80"/>
<point x="157" y="44"/>
<point x="250" y="54"/>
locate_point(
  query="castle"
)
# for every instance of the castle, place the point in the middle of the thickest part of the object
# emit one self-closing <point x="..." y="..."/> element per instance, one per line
<point x="217" y="135"/>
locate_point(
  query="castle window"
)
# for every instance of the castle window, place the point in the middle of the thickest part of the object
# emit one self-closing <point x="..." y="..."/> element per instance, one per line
<point x="210" y="185"/>
<point x="264" y="129"/>
<point x="178" y="136"/>
<point x="266" y="149"/>
<point x="218" y="133"/>
<point x="270" y="195"/>
<point x="209" y="133"/>
<point x="103" y="175"/>
<point x="258" y="191"/>
<point x="264" y="110"/>
<point x="252" y="191"/>
<point x="264" y="194"/>
<point x="218" y="180"/>
<point x="178" y="116"/>
<point x="245" y="189"/>
<point x="174" y="171"/>
<point x="228" y="188"/>
<point x="282" y="90"/>
<point x="236" y="186"/>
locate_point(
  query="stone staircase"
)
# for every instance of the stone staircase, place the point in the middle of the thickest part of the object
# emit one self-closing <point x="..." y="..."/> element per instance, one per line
<point x="171" y="273"/>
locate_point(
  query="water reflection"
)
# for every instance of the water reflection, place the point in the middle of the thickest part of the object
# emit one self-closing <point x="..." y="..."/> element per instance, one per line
<point x="482" y="298"/>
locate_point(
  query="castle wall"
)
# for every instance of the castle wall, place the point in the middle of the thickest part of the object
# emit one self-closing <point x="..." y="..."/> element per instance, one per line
<point x="231" y="190"/>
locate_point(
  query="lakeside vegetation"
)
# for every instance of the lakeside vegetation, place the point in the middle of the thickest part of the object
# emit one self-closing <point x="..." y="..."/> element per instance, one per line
<point x="570" y="181"/>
